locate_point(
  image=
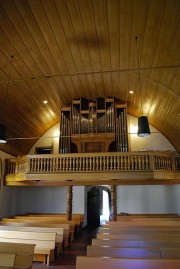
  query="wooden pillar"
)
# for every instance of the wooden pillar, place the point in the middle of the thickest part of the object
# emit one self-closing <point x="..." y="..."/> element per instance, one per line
<point x="113" y="203"/>
<point x="69" y="202"/>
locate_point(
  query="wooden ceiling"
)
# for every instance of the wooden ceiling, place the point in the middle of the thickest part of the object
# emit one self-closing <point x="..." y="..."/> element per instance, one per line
<point x="65" y="49"/>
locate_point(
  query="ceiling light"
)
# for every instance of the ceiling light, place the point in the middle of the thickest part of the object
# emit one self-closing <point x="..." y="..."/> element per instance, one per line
<point x="143" y="125"/>
<point x="2" y="133"/>
<point x="45" y="102"/>
<point x="2" y="126"/>
<point x="131" y="92"/>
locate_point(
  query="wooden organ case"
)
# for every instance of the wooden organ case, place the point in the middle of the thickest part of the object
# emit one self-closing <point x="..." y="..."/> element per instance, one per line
<point x="94" y="126"/>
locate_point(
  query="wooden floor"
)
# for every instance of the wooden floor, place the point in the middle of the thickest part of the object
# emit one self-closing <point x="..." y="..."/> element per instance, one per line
<point x="67" y="260"/>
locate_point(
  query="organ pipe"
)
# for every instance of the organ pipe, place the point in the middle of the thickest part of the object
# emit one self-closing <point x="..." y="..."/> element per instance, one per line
<point x="80" y="119"/>
<point x="121" y="134"/>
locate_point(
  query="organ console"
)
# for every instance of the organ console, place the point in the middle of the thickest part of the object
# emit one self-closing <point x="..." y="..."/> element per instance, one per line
<point x="94" y="126"/>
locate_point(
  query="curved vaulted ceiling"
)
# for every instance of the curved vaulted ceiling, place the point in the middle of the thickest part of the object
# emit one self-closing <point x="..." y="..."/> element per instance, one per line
<point x="65" y="49"/>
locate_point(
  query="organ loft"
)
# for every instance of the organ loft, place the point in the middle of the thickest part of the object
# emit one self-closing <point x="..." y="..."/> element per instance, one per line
<point x="94" y="126"/>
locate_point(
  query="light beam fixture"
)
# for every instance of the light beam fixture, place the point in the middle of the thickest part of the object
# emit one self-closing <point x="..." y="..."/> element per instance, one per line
<point x="143" y="124"/>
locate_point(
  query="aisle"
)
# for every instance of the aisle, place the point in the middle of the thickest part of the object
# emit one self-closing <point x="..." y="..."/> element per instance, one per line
<point x="67" y="260"/>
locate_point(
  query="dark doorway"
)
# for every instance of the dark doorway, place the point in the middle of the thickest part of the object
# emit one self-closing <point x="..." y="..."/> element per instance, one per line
<point x="93" y="207"/>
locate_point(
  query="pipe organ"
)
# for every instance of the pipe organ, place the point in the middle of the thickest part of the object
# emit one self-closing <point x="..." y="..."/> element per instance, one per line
<point x="94" y="126"/>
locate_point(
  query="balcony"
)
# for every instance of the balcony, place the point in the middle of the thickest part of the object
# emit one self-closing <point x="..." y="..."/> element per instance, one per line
<point x="110" y="168"/>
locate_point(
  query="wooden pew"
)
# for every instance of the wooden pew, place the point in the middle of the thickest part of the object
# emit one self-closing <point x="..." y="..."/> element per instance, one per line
<point x="66" y="229"/>
<point x="24" y="253"/>
<point x="139" y="237"/>
<point x="54" y="219"/>
<point x="149" y="215"/>
<point x="145" y="224"/>
<point x="152" y="218"/>
<point x="134" y="252"/>
<point x="117" y="225"/>
<point x="118" y="230"/>
<point x="58" y="231"/>
<point x="43" y="222"/>
<point x="72" y="223"/>
<point x="128" y="243"/>
<point x="44" y="243"/>
<point x="7" y="260"/>
<point x="115" y="263"/>
<point x="123" y="252"/>
<point x="75" y="216"/>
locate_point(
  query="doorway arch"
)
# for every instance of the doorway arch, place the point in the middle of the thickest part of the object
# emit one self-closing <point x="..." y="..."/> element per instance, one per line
<point x="95" y="204"/>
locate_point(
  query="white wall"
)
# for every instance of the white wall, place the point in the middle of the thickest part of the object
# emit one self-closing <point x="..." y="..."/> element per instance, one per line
<point x="42" y="199"/>
<point x="148" y="199"/>
<point x="49" y="139"/>
<point x="48" y="200"/>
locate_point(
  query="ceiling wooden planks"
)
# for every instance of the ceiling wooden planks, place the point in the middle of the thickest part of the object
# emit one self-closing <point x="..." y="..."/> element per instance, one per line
<point x="74" y="48"/>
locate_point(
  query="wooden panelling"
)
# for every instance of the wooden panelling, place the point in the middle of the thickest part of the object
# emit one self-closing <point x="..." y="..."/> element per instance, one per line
<point x="70" y="49"/>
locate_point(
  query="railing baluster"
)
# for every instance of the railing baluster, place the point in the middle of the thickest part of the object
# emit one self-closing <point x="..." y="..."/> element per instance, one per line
<point x="128" y="163"/>
<point x="73" y="163"/>
<point x="83" y="163"/>
<point x="77" y="164"/>
<point x="87" y="164"/>
<point x="90" y="163"/>
<point x="70" y="164"/>
<point x="94" y="164"/>
<point x="99" y="162"/>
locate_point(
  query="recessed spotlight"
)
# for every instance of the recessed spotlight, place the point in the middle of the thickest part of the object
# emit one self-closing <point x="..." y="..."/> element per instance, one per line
<point x="45" y="102"/>
<point x="131" y="92"/>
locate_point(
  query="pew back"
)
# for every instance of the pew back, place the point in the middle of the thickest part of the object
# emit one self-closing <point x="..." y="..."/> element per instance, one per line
<point x="122" y="252"/>
<point x="128" y="243"/>
<point x="7" y="260"/>
<point x="65" y="227"/>
<point x="44" y="242"/>
<point x="24" y="253"/>
<point x="134" y="252"/>
<point x="115" y="263"/>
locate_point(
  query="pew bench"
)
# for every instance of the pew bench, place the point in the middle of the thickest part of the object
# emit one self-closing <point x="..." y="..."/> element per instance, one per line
<point x="65" y="227"/>
<point x="58" y="231"/>
<point x="7" y="260"/>
<point x="38" y="221"/>
<point x="129" y="243"/>
<point x="48" y="220"/>
<point x="116" y="263"/>
<point x="119" y="230"/>
<point x="141" y="218"/>
<point x="123" y="252"/>
<point x="117" y="225"/>
<point x="24" y="253"/>
<point x="74" y="224"/>
<point x="134" y="252"/>
<point x="139" y="237"/>
<point x="148" y="215"/>
<point x="44" y="243"/>
<point x="145" y="223"/>
<point x="76" y="216"/>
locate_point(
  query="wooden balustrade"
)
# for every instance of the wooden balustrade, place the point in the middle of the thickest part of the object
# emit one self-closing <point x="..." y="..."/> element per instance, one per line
<point x="127" y="161"/>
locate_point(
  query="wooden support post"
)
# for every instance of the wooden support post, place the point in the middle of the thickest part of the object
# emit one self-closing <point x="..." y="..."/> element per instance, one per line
<point x="69" y="202"/>
<point x="113" y="203"/>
